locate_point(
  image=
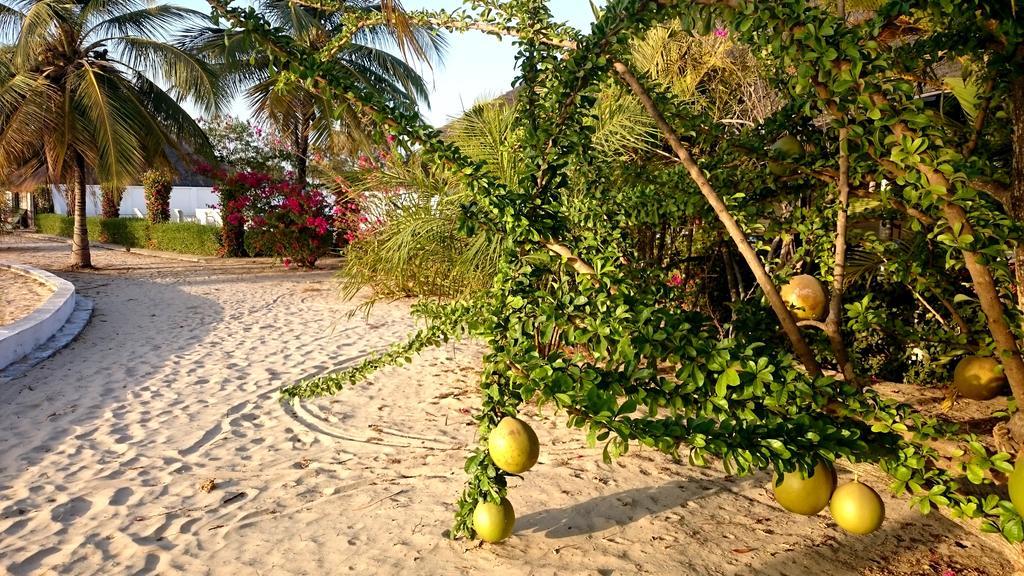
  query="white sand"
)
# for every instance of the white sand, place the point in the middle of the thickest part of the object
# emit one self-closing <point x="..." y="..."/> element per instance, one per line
<point x="20" y="295"/>
<point x="105" y="447"/>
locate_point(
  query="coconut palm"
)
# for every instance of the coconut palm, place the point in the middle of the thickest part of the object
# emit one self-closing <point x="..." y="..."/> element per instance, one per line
<point x="82" y="94"/>
<point x="302" y="118"/>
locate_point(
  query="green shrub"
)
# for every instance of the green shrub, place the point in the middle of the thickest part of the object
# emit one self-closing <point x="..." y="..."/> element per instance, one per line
<point x="185" y="238"/>
<point x="131" y="232"/>
<point x="180" y="237"/>
<point x="55" y="225"/>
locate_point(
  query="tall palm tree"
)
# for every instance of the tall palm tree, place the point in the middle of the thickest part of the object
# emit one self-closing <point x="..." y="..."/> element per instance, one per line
<point x="82" y="94"/>
<point x="299" y="115"/>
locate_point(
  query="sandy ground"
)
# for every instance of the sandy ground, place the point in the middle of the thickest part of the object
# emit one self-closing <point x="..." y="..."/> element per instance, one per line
<point x="19" y="295"/>
<point x="105" y="450"/>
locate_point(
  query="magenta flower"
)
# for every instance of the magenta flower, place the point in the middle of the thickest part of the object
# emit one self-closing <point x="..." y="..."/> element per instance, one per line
<point x="721" y="32"/>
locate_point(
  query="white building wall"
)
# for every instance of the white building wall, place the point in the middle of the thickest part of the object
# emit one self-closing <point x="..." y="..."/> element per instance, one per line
<point x="188" y="199"/>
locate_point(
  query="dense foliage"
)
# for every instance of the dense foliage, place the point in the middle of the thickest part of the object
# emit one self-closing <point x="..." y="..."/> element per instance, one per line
<point x="576" y="317"/>
<point x="246" y="147"/>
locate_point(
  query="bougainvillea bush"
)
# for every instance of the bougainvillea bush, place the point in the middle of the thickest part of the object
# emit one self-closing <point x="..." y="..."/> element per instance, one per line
<point x="288" y="221"/>
<point x="264" y="214"/>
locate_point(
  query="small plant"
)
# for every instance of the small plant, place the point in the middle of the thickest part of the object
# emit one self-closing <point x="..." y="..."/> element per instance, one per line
<point x="157" y="185"/>
<point x="110" y="200"/>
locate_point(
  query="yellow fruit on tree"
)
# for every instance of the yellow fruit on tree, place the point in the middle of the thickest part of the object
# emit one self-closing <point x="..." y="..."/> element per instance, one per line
<point x="979" y="378"/>
<point x="493" y="522"/>
<point x="805" y="297"/>
<point x="806" y="496"/>
<point x="513" y="446"/>
<point x="788" y="147"/>
<point x="857" y="508"/>
<point x="1016" y="486"/>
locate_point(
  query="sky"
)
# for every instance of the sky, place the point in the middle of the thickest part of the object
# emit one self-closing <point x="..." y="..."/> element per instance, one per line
<point x="476" y="67"/>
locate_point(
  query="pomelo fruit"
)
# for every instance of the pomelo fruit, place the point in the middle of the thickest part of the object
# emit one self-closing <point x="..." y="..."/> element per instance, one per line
<point x="806" y="496"/>
<point x="857" y="508"/>
<point x="787" y="147"/>
<point x="979" y="377"/>
<point x="1016" y="486"/>
<point x="778" y="168"/>
<point x="493" y="522"/>
<point x="513" y="445"/>
<point x="805" y="297"/>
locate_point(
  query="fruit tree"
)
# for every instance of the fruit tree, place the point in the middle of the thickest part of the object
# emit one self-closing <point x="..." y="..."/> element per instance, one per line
<point x="576" y="318"/>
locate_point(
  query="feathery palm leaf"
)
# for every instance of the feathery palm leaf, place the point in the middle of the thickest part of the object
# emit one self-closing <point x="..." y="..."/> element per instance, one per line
<point x="80" y="91"/>
<point x="297" y="113"/>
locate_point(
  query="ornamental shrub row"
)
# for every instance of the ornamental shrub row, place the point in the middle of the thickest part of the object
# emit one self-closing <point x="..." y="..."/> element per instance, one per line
<point x="180" y="237"/>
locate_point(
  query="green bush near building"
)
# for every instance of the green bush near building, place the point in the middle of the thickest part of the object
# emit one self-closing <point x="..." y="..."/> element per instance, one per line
<point x="181" y="237"/>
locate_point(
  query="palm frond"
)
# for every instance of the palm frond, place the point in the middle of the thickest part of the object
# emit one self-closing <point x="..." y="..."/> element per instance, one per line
<point x="188" y="75"/>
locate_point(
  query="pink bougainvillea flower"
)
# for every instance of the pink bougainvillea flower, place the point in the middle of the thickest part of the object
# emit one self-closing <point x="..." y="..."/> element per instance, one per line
<point x="390" y="138"/>
<point x="948" y="572"/>
<point x="675" y="280"/>
<point x="721" y="32"/>
<point x="287" y="262"/>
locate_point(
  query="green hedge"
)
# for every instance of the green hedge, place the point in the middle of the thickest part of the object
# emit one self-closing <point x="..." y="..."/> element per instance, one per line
<point x="180" y="237"/>
<point x="185" y="237"/>
<point x="55" y="225"/>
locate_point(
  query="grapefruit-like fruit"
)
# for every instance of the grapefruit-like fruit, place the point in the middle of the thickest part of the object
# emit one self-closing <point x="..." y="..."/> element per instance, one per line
<point x="787" y="147"/>
<point x="857" y="508"/>
<point x="513" y="445"/>
<point x="493" y="522"/>
<point x="1016" y="486"/>
<point x="805" y="297"/>
<point x="979" y="378"/>
<point x="806" y="496"/>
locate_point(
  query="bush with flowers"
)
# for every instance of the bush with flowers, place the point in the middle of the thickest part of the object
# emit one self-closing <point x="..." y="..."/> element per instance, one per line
<point x="157" y="185"/>
<point x="264" y="214"/>
<point x="288" y="221"/>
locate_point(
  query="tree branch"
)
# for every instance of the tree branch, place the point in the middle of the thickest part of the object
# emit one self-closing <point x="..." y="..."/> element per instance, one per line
<point x="803" y="351"/>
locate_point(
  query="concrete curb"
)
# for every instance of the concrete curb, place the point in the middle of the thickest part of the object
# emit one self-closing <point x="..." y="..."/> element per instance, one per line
<point x="20" y="338"/>
<point x="71" y="329"/>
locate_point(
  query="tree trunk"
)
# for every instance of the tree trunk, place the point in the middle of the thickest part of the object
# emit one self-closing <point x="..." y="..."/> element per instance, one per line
<point x="1016" y="424"/>
<point x="301" y="158"/>
<point x="984" y="286"/>
<point x="302" y="149"/>
<point x="1017" y="182"/>
<point x="833" y="322"/>
<point x="796" y="339"/>
<point x="80" y="256"/>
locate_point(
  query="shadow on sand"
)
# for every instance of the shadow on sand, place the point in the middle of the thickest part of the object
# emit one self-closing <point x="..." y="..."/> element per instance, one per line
<point x="622" y="508"/>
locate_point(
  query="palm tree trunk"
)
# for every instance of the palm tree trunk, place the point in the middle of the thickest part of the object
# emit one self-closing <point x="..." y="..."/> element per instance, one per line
<point x="80" y="256"/>
<point x="301" y="159"/>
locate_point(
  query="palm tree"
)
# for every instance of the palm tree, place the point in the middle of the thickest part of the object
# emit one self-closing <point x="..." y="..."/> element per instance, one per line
<point x="299" y="115"/>
<point x="82" y="96"/>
